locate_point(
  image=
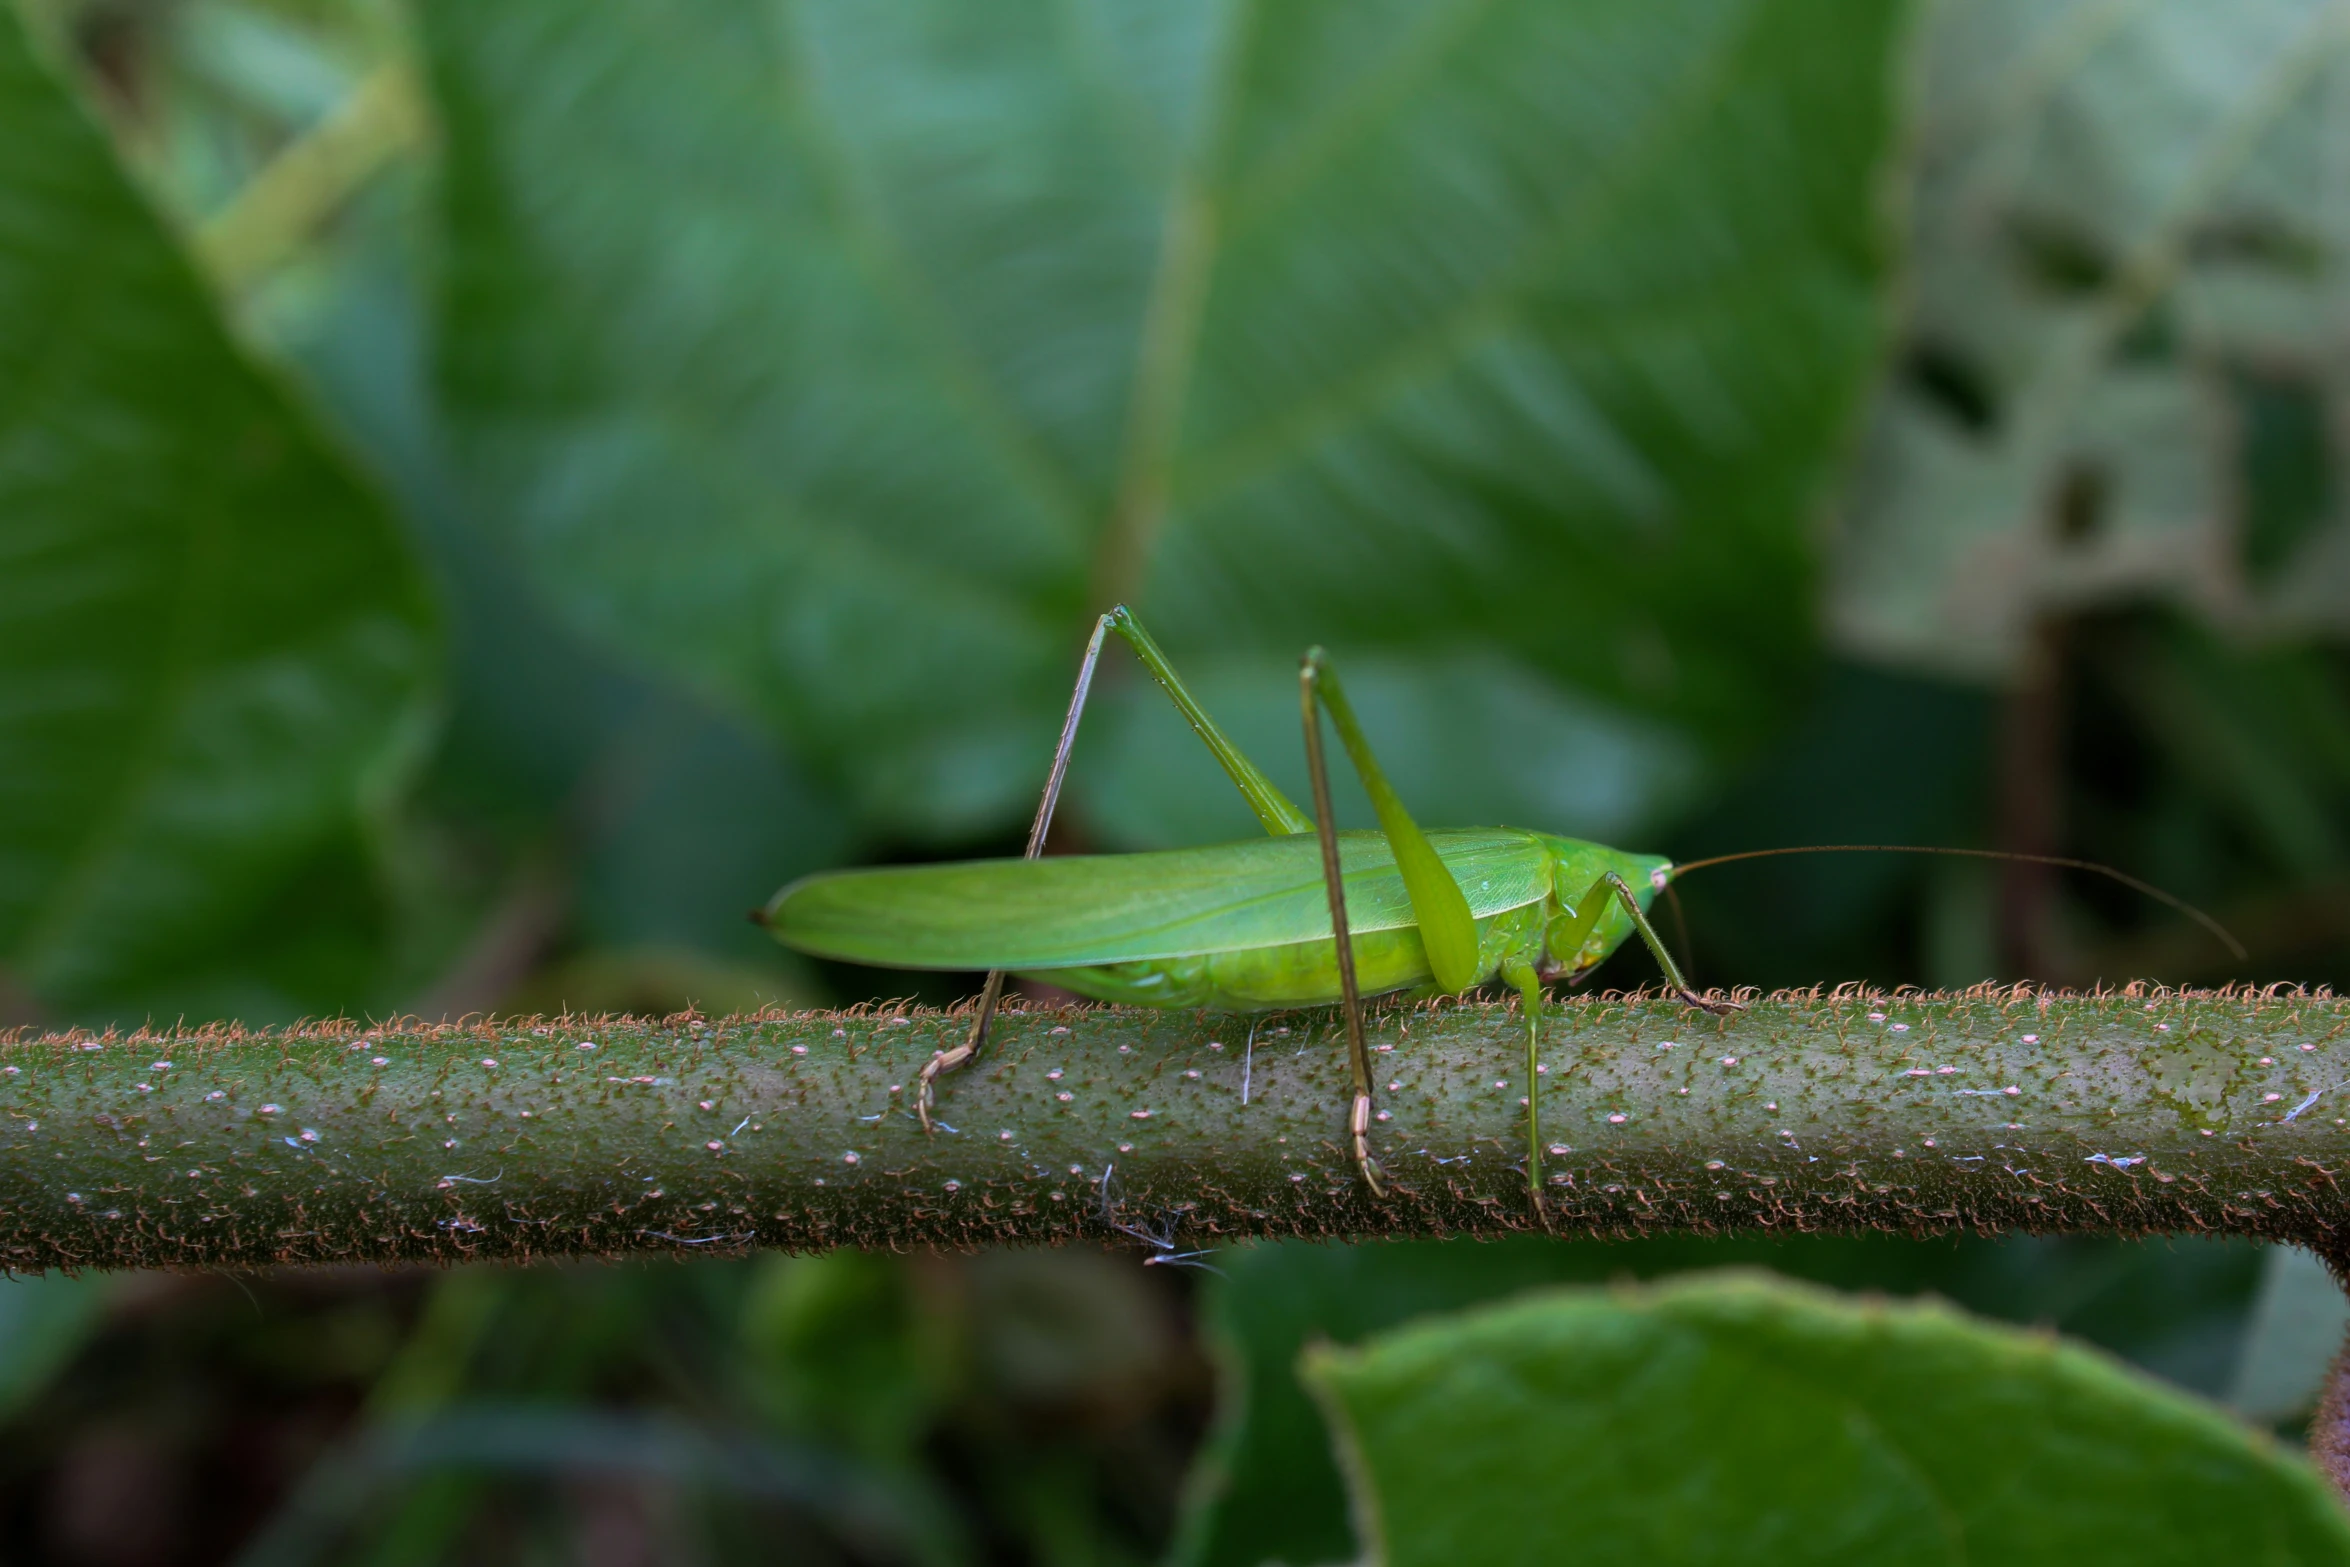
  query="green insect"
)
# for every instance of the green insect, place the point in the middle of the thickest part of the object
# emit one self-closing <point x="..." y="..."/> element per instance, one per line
<point x="1307" y="916"/>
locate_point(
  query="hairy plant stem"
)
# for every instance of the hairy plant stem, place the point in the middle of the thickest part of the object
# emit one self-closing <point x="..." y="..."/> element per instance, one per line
<point x="2122" y="1112"/>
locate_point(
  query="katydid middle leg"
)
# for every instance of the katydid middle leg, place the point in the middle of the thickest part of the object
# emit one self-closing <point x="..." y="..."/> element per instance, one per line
<point x="1526" y="979"/>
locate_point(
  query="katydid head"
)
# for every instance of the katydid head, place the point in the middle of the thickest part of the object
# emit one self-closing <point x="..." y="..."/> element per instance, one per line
<point x="1590" y="882"/>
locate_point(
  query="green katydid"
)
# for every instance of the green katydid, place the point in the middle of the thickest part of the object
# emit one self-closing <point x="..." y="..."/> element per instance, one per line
<point x="1305" y="917"/>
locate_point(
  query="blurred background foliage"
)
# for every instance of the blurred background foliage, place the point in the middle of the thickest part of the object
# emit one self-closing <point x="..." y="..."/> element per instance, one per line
<point x="488" y="493"/>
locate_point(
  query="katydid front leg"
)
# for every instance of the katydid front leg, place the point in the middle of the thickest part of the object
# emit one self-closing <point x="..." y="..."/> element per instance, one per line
<point x="1613" y="885"/>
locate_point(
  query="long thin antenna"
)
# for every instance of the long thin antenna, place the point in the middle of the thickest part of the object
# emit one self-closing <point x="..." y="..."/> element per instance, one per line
<point x="2127" y="880"/>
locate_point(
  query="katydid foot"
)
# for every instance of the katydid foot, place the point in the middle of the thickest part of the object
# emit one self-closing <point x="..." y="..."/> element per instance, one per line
<point x="1358" y="1129"/>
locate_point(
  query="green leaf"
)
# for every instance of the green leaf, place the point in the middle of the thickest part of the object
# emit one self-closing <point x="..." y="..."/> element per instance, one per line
<point x="674" y="819"/>
<point x="1736" y="1419"/>
<point x="846" y="357"/>
<point x="214" y="648"/>
<point x="1265" y="1488"/>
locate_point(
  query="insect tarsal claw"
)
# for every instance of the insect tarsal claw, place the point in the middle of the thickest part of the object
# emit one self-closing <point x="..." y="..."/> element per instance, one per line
<point x="1358" y="1126"/>
<point x="1718" y="1006"/>
<point x="943" y="1061"/>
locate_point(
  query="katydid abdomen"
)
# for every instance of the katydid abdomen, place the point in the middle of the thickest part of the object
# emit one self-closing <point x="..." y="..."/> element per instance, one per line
<point x="1238" y="927"/>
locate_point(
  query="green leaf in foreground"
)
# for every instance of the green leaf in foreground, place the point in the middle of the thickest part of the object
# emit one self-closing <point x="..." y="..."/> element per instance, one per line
<point x="212" y="640"/>
<point x="845" y="357"/>
<point x="1735" y="1419"/>
<point x="1265" y="1487"/>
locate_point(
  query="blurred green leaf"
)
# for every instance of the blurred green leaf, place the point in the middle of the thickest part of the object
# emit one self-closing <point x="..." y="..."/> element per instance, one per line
<point x="879" y="1519"/>
<point x="2295" y="1333"/>
<point x="1742" y="1420"/>
<point x="215" y="648"/>
<point x="2123" y="369"/>
<point x="44" y="1318"/>
<point x="667" y="820"/>
<point x="845" y="358"/>
<point x="838" y="1348"/>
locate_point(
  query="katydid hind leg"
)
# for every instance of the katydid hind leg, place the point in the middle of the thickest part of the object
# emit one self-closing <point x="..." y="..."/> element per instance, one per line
<point x="1358" y="1117"/>
<point x="1439" y="908"/>
<point x="1273" y="808"/>
<point x="991" y="993"/>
